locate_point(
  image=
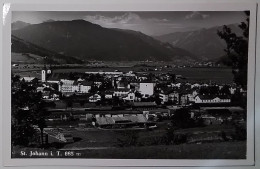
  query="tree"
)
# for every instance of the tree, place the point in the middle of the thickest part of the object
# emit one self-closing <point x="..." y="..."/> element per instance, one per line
<point x="39" y="113"/>
<point x="55" y="86"/>
<point x="237" y="50"/>
<point x="116" y="101"/>
<point x="182" y="118"/>
<point x="158" y="101"/>
<point x="172" y="77"/>
<point x="225" y="90"/>
<point x="27" y="110"/>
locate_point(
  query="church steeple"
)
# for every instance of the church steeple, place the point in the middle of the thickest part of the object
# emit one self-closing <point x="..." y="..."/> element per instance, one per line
<point x="45" y="71"/>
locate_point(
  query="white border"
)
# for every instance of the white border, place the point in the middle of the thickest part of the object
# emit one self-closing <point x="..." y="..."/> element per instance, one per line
<point x="116" y="5"/>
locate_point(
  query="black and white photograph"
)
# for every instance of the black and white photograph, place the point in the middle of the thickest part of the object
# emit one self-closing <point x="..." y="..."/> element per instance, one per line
<point x="131" y="84"/>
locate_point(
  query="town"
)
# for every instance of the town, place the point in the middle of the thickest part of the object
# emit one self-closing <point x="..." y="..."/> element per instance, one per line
<point x="79" y="104"/>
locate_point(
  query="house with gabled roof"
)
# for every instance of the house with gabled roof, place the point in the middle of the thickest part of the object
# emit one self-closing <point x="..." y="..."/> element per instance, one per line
<point x="27" y="79"/>
<point x="130" y="97"/>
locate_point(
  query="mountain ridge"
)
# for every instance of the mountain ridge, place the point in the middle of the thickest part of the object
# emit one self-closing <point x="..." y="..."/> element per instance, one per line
<point x="26" y="49"/>
<point x="87" y="41"/>
<point x="19" y="25"/>
<point x="204" y="42"/>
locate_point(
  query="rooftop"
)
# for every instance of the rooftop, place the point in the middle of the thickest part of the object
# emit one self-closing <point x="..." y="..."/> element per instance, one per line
<point x="137" y="104"/>
<point x="210" y="97"/>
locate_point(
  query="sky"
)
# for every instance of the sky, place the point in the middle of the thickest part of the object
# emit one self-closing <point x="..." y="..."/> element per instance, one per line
<point x="152" y="23"/>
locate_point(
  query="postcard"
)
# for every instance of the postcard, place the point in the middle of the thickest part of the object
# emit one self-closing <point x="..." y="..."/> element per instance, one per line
<point x="128" y="84"/>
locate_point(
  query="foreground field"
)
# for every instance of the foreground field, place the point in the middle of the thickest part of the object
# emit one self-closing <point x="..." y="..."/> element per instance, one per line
<point x="220" y="150"/>
<point x="234" y="150"/>
<point x="96" y="143"/>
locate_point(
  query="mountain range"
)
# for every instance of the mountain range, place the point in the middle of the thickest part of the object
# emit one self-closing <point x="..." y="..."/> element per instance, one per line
<point x="85" y="41"/>
<point x="204" y="43"/>
<point x="79" y="41"/>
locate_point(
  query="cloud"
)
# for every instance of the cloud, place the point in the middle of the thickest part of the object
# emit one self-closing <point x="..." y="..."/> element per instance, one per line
<point x="195" y="15"/>
<point x="157" y="20"/>
<point x="134" y="21"/>
<point x="126" y="18"/>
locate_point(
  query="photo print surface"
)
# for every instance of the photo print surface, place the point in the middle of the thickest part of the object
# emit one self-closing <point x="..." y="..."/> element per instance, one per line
<point x="129" y="84"/>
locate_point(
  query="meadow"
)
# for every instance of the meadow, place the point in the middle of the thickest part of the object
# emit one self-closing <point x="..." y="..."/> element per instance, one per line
<point x="220" y="75"/>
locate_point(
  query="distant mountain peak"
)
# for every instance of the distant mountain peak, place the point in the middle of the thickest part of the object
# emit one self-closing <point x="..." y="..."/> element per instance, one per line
<point x="204" y="42"/>
<point x="19" y="25"/>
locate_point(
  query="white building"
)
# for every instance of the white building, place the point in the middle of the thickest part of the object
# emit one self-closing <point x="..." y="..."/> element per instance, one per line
<point x="94" y="98"/>
<point x="67" y="86"/>
<point x="212" y="99"/>
<point x="98" y="84"/>
<point x="164" y="97"/>
<point x="146" y="89"/>
<point x="109" y="95"/>
<point x="106" y="73"/>
<point x="27" y="79"/>
<point x="130" y="97"/>
<point x="74" y="86"/>
<point x="44" y="73"/>
<point x="121" y="92"/>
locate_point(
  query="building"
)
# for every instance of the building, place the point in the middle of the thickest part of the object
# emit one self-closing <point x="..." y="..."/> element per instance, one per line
<point x="98" y="84"/>
<point x="45" y="72"/>
<point x="164" y="97"/>
<point x="66" y="86"/>
<point x="106" y="73"/>
<point x="212" y="99"/>
<point x="142" y="106"/>
<point x="84" y="86"/>
<point x="122" y="85"/>
<point x="44" y="75"/>
<point x="126" y="121"/>
<point x="27" y="79"/>
<point x="46" y="95"/>
<point x="120" y="92"/>
<point x="146" y="89"/>
<point x="130" y="97"/>
<point x="108" y="94"/>
<point x="173" y="97"/>
<point x="94" y="98"/>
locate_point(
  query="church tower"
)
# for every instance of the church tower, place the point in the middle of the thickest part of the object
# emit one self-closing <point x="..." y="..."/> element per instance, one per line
<point x="43" y="75"/>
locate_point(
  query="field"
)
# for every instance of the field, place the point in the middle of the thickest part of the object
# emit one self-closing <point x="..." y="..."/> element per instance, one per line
<point x="97" y="143"/>
<point x="234" y="150"/>
<point x="220" y="150"/>
<point x="219" y="75"/>
<point x="26" y="58"/>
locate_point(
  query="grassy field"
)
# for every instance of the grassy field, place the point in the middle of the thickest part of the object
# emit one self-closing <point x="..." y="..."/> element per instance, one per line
<point x="224" y="150"/>
<point x="97" y="143"/>
<point x="26" y="58"/>
<point x="221" y="150"/>
<point x="109" y="138"/>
